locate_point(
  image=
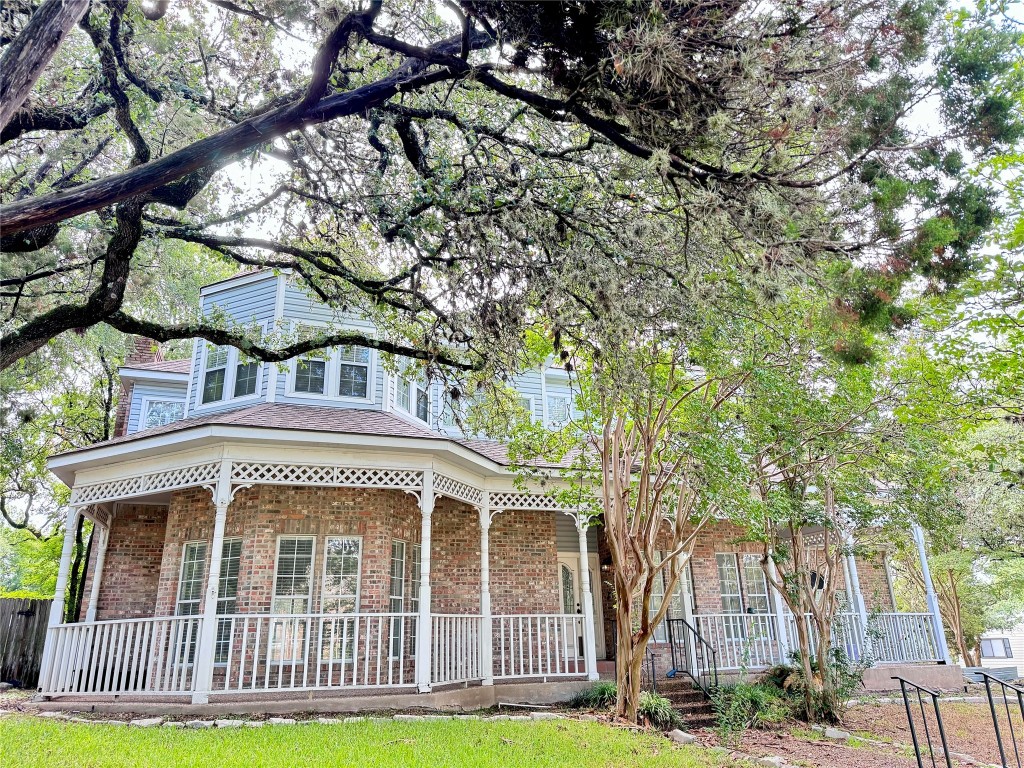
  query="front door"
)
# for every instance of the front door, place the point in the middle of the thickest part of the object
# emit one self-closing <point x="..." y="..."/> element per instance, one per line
<point x="569" y="587"/>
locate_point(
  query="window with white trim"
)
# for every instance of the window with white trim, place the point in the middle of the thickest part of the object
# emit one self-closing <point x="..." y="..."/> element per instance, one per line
<point x="246" y="375"/>
<point x="310" y="374"/>
<point x="293" y="590"/>
<point x="340" y="595"/>
<point x="160" y="412"/>
<point x="227" y="595"/>
<point x="340" y="592"/>
<point x="190" y="596"/>
<point x="526" y="403"/>
<point x="293" y="583"/>
<point x="996" y="648"/>
<point x="755" y="585"/>
<point x="451" y="413"/>
<point x="682" y="591"/>
<point x="214" y="373"/>
<point x="191" y="578"/>
<point x="414" y="595"/>
<point x="558" y="410"/>
<point x="413" y="397"/>
<point x="396" y="596"/>
<point x="729" y="583"/>
<point x="353" y="372"/>
<point x="227" y="374"/>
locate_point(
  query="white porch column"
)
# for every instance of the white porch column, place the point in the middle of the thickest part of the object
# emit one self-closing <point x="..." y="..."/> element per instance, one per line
<point x="487" y="622"/>
<point x="858" y="596"/>
<point x="424" y="641"/>
<point x="103" y="531"/>
<point x="929" y="593"/>
<point x="589" y="631"/>
<point x="60" y="591"/>
<point x="688" y="616"/>
<point x="779" y="609"/>
<point x="203" y="669"/>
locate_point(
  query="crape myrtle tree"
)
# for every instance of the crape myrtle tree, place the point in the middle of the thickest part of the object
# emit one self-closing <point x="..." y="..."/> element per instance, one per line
<point x="818" y="432"/>
<point x="435" y="164"/>
<point x="650" y="450"/>
<point x="650" y="459"/>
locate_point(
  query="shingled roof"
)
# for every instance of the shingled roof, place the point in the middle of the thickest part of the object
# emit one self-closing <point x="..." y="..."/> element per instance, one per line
<point x="164" y="366"/>
<point x="284" y="416"/>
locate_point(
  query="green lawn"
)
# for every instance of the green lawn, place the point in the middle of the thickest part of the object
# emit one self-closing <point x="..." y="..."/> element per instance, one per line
<point x="26" y="741"/>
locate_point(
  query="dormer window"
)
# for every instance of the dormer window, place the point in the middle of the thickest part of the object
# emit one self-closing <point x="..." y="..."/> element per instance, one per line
<point x="353" y="371"/>
<point x="310" y="375"/>
<point x="414" y="398"/>
<point x="558" y="410"/>
<point x="214" y="374"/>
<point x="227" y="374"/>
<point x="245" y="378"/>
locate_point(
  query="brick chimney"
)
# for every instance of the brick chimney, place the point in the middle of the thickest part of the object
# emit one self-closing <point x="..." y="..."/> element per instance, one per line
<point x="140" y="350"/>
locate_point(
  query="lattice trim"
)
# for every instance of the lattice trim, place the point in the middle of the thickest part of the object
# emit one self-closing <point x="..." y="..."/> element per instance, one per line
<point x="525" y="501"/>
<point x="111" y="490"/>
<point x="456" y="489"/>
<point x="322" y="474"/>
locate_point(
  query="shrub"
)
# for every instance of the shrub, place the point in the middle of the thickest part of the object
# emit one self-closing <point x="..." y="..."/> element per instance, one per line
<point x="598" y="696"/>
<point x="658" y="711"/>
<point x="745" y="705"/>
<point x="24" y="594"/>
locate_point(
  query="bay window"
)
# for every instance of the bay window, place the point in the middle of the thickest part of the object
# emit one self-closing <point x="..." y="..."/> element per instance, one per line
<point x="340" y="595"/>
<point x="413" y="397"/>
<point x="353" y="372"/>
<point x="227" y="374"/>
<point x="214" y="373"/>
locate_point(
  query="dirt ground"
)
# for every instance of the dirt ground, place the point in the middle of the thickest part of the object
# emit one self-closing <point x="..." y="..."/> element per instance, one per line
<point x="810" y="751"/>
<point x="968" y="725"/>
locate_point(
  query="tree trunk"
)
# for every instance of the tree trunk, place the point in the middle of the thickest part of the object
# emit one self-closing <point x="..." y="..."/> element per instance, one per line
<point x="629" y="660"/>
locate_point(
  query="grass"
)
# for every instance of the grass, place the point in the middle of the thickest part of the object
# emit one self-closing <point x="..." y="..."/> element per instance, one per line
<point x="31" y="742"/>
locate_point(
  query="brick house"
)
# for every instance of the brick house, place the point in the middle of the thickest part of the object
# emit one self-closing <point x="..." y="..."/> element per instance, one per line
<point x="322" y="529"/>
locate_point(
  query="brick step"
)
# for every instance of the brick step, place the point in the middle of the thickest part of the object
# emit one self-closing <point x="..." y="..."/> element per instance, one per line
<point x="684" y="698"/>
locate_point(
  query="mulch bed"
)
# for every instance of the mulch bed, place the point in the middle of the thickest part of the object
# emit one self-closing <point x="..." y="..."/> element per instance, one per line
<point x="969" y="728"/>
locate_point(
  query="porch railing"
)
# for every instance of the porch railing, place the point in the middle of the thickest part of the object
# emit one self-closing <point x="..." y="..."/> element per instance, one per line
<point x="890" y="637"/>
<point x="314" y="651"/>
<point x="303" y="652"/>
<point x="538" y="645"/>
<point x="456" y="651"/>
<point x="903" y="637"/>
<point x="741" y="640"/>
<point x="136" y="656"/>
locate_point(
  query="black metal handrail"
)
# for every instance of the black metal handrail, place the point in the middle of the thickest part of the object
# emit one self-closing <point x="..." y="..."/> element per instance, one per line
<point x="1006" y="689"/>
<point x="648" y="675"/>
<point x="692" y="655"/>
<point x="934" y="696"/>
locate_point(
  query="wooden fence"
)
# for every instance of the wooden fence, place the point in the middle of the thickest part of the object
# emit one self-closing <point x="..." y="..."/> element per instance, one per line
<point x="22" y="634"/>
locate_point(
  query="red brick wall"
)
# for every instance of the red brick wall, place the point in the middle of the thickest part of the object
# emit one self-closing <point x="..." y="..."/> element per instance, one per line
<point x="524" y="563"/>
<point x="131" y="570"/>
<point x="260" y="515"/>
<point x="455" y="558"/>
<point x="145" y="551"/>
<point x="524" y="569"/>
